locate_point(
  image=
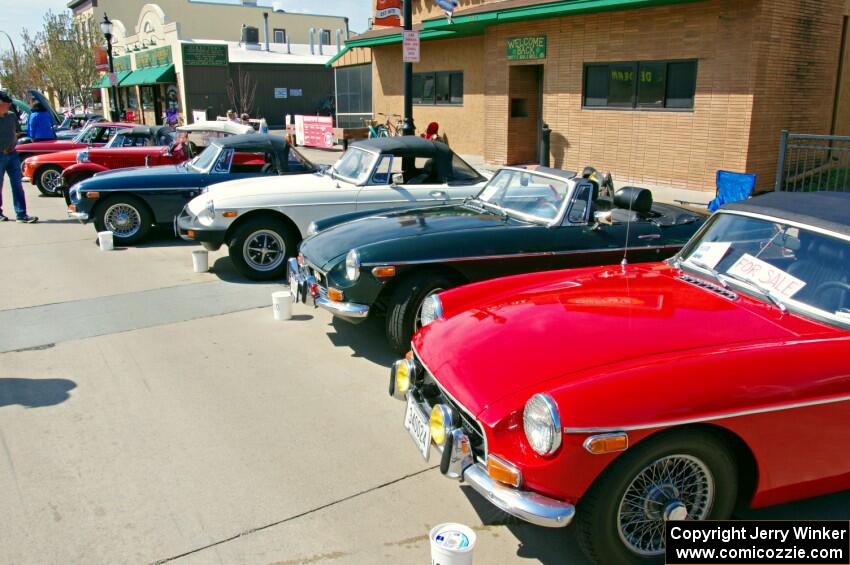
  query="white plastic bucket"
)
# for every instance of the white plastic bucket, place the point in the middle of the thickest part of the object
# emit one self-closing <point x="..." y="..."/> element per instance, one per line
<point x="282" y="305"/>
<point x="201" y="260"/>
<point x="105" y="240"/>
<point x="452" y="544"/>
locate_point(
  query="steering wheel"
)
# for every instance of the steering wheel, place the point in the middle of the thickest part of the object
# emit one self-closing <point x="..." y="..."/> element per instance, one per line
<point x="823" y="287"/>
<point x="542" y="203"/>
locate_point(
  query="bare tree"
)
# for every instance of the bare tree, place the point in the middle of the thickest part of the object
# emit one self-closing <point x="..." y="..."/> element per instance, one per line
<point x="242" y="92"/>
<point x="61" y="55"/>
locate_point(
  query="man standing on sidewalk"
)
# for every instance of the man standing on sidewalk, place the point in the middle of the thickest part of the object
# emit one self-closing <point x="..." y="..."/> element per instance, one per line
<point x="10" y="162"/>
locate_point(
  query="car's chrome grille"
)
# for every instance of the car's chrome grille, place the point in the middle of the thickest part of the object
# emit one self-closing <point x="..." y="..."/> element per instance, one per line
<point x="429" y="391"/>
<point x="715" y="288"/>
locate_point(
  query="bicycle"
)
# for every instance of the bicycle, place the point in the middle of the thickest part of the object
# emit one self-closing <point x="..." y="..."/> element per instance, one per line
<point x="386" y="129"/>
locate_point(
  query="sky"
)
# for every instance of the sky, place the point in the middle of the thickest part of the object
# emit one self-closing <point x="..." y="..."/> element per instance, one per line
<point x="18" y="14"/>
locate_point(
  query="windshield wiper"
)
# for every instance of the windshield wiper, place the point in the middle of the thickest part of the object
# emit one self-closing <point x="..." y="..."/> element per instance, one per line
<point x="714" y="272"/>
<point x="495" y="209"/>
<point x="766" y="292"/>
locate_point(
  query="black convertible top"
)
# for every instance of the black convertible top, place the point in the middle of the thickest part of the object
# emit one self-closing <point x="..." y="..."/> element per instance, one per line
<point x="827" y="210"/>
<point x="150" y="131"/>
<point x="254" y="142"/>
<point x="406" y="145"/>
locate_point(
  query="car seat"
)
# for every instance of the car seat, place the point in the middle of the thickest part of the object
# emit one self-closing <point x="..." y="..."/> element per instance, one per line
<point x="631" y="204"/>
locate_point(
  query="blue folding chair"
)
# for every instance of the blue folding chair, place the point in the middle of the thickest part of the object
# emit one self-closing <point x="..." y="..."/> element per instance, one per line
<point x="731" y="187"/>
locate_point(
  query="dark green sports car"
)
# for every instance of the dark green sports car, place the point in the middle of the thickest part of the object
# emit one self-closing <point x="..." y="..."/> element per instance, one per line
<point x="523" y="220"/>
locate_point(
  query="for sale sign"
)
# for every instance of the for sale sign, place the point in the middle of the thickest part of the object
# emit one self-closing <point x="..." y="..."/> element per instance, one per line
<point x="318" y="131"/>
<point x="764" y="274"/>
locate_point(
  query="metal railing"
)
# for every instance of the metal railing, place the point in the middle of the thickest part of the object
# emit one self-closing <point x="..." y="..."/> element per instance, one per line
<point x="813" y="162"/>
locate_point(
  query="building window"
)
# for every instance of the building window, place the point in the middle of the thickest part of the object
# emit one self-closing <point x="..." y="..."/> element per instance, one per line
<point x="326" y="37"/>
<point x="641" y="85"/>
<point x="279" y="36"/>
<point x="353" y="95"/>
<point x="445" y="87"/>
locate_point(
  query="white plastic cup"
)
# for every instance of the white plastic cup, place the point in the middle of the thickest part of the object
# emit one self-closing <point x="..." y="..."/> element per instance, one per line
<point x="452" y="544"/>
<point x="105" y="240"/>
<point x="201" y="260"/>
<point x="282" y="305"/>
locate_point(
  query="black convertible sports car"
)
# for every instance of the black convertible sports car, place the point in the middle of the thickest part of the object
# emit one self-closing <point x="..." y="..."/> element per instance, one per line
<point x="129" y="202"/>
<point x="522" y="221"/>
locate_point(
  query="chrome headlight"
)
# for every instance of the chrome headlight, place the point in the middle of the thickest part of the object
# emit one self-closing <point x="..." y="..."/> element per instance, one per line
<point x="432" y="309"/>
<point x="542" y="424"/>
<point x="207" y="215"/>
<point x="83" y="156"/>
<point x="352" y="265"/>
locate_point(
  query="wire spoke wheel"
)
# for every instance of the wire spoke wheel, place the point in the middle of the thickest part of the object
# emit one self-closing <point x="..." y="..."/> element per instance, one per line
<point x="264" y="250"/>
<point x="123" y="220"/>
<point x="675" y="487"/>
<point x="51" y="180"/>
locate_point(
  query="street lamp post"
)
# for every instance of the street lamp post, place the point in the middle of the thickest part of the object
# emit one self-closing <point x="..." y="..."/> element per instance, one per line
<point x="407" y="126"/>
<point x="14" y="57"/>
<point x="106" y="28"/>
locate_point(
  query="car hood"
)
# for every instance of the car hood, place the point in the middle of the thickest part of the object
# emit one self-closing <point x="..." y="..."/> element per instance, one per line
<point x="546" y="330"/>
<point x="57" y="157"/>
<point x="429" y="223"/>
<point x="52" y="146"/>
<point x="163" y="176"/>
<point x="242" y="192"/>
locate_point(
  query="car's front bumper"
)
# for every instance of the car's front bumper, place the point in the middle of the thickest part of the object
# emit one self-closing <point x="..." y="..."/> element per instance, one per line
<point x="302" y="285"/>
<point x="187" y="227"/>
<point x="457" y="462"/>
<point x="76" y="214"/>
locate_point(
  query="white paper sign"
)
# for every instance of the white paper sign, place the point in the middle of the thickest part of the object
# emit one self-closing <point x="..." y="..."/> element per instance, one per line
<point x="710" y="252"/>
<point x="773" y="278"/>
<point x="410" y="46"/>
<point x="199" y="116"/>
<point x="296" y="92"/>
<point x="280" y="92"/>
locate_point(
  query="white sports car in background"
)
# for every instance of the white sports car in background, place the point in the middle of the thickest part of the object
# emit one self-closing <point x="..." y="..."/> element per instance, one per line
<point x="262" y="220"/>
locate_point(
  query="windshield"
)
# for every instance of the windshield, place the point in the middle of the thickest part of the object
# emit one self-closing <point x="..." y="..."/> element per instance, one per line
<point x="84" y="134"/>
<point x="203" y="161"/>
<point x="526" y="194"/>
<point x="789" y="265"/>
<point x="355" y="165"/>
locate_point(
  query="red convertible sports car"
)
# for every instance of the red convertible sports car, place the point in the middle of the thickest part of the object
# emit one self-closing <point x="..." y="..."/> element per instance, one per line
<point x="94" y="135"/>
<point x="623" y="397"/>
<point x="128" y="148"/>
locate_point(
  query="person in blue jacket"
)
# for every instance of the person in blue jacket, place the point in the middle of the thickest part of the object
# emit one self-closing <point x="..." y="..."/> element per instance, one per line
<point x="40" y="127"/>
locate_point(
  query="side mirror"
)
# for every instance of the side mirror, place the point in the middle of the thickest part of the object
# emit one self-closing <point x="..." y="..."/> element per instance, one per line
<point x="397" y="179"/>
<point x="602" y="219"/>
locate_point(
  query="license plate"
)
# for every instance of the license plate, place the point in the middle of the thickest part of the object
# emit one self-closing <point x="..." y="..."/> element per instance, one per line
<point x="293" y="288"/>
<point x="416" y="424"/>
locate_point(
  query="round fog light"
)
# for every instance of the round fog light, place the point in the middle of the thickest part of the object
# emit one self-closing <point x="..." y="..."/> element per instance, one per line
<point x="440" y="422"/>
<point x="403" y="373"/>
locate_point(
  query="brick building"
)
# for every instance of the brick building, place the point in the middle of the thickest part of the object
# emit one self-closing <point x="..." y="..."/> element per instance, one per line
<point x="660" y="92"/>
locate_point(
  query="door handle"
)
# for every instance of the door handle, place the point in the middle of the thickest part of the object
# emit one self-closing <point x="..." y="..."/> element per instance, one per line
<point x="438" y="193"/>
<point x="650" y="236"/>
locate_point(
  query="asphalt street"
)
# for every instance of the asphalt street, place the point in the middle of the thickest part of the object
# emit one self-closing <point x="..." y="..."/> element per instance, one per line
<point x="149" y="414"/>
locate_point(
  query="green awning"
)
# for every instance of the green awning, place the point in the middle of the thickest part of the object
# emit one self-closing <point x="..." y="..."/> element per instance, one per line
<point x="154" y="75"/>
<point x="104" y="80"/>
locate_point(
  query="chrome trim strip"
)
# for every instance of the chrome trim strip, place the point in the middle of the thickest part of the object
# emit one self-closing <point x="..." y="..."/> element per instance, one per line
<point x="527" y="505"/>
<point x="81" y="216"/>
<point x="462" y="407"/>
<point x="519" y="255"/>
<point x="343" y="309"/>
<point x="684" y="421"/>
<point x="788" y="222"/>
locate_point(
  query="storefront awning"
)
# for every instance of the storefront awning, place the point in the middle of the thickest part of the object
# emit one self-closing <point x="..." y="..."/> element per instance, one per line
<point x="104" y="80"/>
<point x="154" y="75"/>
<point x="474" y="20"/>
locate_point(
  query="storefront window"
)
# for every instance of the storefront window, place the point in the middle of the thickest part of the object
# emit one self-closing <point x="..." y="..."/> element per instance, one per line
<point x="353" y="95"/>
<point x="640" y="85"/>
<point x="147" y="98"/>
<point x="438" y="88"/>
